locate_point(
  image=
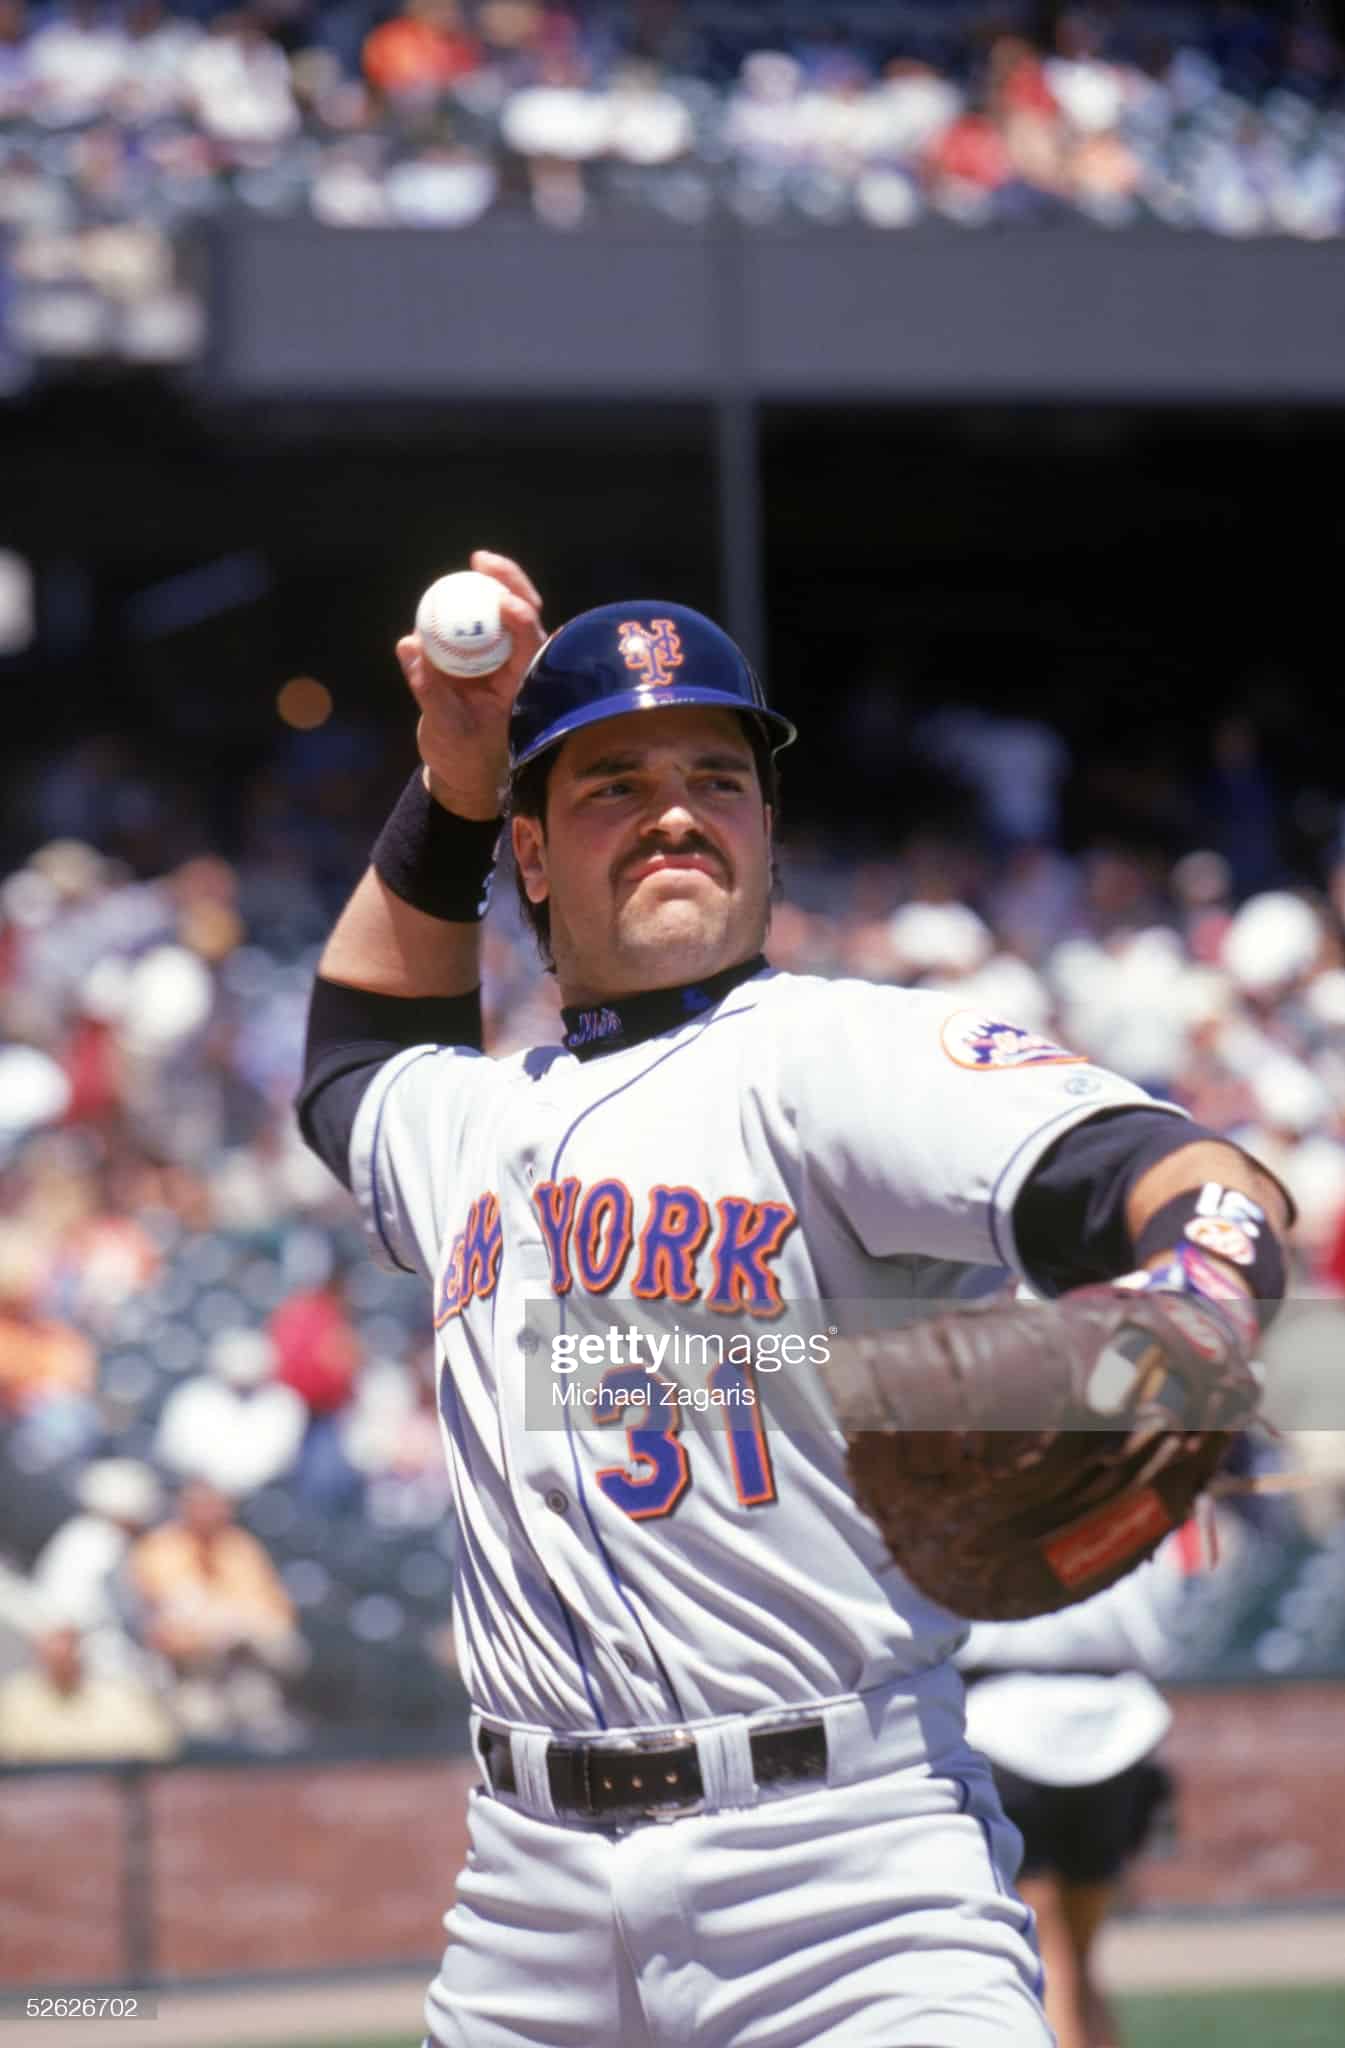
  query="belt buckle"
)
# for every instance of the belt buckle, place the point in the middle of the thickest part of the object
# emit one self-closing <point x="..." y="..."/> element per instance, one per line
<point x="657" y="1743"/>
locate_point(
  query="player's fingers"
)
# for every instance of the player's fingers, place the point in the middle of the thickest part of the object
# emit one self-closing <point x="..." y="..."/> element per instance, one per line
<point x="519" y="614"/>
<point x="414" y="664"/>
<point x="421" y="675"/>
<point x="506" y="571"/>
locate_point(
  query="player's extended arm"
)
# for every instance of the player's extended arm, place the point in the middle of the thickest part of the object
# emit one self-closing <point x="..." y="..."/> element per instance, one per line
<point x="1019" y="1457"/>
<point x="381" y="942"/>
<point x="1107" y="1198"/>
<point x="398" y="973"/>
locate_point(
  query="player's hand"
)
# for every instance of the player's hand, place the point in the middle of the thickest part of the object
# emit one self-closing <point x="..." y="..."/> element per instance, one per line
<point x="463" y="735"/>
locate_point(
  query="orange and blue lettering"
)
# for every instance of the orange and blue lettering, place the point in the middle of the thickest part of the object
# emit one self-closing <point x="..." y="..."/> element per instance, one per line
<point x="483" y="1242"/>
<point x="473" y="1264"/>
<point x="450" y="1286"/>
<point x="602" y="1234"/>
<point x="749" y="1452"/>
<point x="656" y="1473"/>
<point x="554" y="1202"/>
<point x="675" y="1229"/>
<point x="750" y="1233"/>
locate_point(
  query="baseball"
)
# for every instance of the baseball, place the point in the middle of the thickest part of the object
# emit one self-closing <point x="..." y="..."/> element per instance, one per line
<point x="458" y="621"/>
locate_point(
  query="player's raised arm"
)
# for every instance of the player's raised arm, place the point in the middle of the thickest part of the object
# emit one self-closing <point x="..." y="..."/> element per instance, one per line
<point x="411" y="927"/>
<point x="402" y="965"/>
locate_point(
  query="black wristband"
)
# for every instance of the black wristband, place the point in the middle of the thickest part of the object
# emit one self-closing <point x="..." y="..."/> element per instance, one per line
<point x="1225" y="1222"/>
<point x="437" y="862"/>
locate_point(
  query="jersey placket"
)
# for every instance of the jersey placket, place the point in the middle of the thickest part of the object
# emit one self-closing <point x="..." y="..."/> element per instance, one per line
<point x="553" y="1492"/>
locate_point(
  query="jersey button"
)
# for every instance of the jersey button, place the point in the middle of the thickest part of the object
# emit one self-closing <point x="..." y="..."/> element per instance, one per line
<point x="558" y="1502"/>
<point x="629" y="1659"/>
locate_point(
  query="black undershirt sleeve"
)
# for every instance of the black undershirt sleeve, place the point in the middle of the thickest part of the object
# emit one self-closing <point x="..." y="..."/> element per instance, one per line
<point x="351" y="1032"/>
<point x="1069" y="1219"/>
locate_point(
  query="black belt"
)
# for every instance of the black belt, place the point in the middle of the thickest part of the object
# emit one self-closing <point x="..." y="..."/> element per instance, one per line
<point x="598" y="1784"/>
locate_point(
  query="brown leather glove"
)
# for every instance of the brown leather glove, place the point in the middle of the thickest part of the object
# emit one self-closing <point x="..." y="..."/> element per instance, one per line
<point x="1018" y="1457"/>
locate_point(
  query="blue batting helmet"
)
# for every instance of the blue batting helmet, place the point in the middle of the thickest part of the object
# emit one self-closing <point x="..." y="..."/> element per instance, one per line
<point x="634" y="656"/>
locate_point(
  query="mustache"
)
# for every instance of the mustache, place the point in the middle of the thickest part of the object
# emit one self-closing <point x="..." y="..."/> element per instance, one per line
<point x="694" y="846"/>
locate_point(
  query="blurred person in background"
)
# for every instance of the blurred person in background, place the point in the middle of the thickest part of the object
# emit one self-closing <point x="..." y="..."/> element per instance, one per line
<point x="234" y="1424"/>
<point x="213" y="1605"/>
<point x="318" y="1357"/>
<point x="556" y="126"/>
<point x="159" y="43"/>
<point x="104" y="1256"/>
<point x="47" y="1368"/>
<point x="237" y="84"/>
<point x="967" y="167"/>
<point x="1194" y="136"/>
<point x="79" y="62"/>
<point x="1064" y="1709"/>
<point x="34" y="1094"/>
<point x="1020" y="100"/>
<point x="417" y="54"/>
<point x="651" y="130"/>
<point x="1273" y="946"/>
<point x="393" y="1437"/>
<point x="762" y="129"/>
<point x="80" y="1572"/>
<point x="62" y="1711"/>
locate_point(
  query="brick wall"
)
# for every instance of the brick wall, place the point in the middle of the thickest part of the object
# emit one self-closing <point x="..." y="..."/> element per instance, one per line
<point x="308" y="1867"/>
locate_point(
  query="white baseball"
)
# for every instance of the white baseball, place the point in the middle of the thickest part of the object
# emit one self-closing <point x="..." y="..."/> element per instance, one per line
<point x="458" y="621"/>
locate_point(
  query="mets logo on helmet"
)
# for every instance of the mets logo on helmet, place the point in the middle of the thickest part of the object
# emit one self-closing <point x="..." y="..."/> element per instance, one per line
<point x="654" y="650"/>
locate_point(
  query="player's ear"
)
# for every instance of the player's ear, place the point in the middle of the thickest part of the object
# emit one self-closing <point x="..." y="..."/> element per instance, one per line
<point x="529" y="843"/>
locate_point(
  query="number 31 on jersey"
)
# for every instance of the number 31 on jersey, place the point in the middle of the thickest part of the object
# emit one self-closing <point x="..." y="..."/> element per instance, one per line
<point x="657" y="1470"/>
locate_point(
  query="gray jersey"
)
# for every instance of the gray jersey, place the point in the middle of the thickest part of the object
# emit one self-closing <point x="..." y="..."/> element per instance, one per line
<point x="803" y="1142"/>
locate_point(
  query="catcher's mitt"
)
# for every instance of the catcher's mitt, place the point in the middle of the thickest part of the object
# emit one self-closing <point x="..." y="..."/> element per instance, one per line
<point x="990" y="1446"/>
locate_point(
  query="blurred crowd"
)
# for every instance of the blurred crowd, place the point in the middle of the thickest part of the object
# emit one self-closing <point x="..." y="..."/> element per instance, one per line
<point x="123" y="121"/>
<point x="223" y="1510"/>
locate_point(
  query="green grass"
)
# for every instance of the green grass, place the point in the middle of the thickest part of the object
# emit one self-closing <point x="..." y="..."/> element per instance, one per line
<point x="1292" y="2016"/>
<point x="1296" y="2016"/>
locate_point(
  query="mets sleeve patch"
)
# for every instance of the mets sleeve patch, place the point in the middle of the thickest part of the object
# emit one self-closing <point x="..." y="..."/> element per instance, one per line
<point x="983" y="1043"/>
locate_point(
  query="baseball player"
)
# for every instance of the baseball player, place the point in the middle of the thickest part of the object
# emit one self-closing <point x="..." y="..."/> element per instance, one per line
<point x="725" y="1793"/>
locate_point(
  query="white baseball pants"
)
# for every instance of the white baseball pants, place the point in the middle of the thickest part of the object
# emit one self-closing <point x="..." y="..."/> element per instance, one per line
<point x="876" y="1914"/>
